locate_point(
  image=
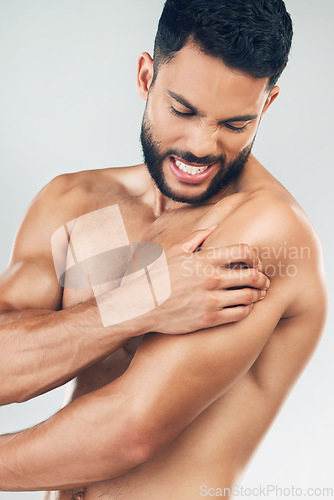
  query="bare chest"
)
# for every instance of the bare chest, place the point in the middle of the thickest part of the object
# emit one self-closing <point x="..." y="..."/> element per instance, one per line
<point x="104" y="231"/>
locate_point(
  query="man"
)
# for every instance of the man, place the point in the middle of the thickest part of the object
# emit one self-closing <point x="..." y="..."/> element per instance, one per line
<point x="189" y="409"/>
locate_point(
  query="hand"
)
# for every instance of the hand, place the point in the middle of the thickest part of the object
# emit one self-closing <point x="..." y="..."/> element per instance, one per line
<point x="206" y="288"/>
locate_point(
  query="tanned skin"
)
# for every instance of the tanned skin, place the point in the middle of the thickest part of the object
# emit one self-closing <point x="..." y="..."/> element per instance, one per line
<point x="159" y="415"/>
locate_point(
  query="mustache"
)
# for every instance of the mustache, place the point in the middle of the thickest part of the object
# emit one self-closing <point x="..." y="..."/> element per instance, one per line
<point x="188" y="157"/>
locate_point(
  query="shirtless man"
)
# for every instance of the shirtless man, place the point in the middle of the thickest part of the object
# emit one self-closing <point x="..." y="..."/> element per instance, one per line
<point x="159" y="420"/>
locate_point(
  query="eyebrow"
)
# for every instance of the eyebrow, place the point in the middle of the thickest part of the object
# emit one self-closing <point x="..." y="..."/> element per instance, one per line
<point x="186" y="104"/>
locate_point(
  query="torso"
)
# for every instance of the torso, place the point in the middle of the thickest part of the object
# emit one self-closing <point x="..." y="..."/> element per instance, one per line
<point x="216" y="446"/>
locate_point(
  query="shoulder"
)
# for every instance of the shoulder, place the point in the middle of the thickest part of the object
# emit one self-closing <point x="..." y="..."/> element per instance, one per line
<point x="63" y="199"/>
<point x="272" y="222"/>
<point x="268" y="220"/>
<point x="71" y="194"/>
<point x="83" y="186"/>
<point x="113" y="181"/>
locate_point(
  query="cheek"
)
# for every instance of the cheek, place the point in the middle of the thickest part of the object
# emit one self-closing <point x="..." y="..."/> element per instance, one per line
<point x="168" y="130"/>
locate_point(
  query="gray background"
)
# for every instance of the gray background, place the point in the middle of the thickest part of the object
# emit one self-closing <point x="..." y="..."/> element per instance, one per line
<point x="68" y="102"/>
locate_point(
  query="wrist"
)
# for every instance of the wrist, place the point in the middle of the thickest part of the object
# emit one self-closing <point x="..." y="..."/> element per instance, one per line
<point x="143" y="324"/>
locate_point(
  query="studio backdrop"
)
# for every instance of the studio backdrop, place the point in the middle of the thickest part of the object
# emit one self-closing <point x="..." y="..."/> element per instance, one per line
<point x="68" y="102"/>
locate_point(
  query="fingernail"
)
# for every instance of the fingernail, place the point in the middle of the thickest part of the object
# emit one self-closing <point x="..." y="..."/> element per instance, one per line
<point x="263" y="294"/>
<point x="267" y="284"/>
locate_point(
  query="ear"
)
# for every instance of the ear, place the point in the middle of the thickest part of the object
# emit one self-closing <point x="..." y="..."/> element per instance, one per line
<point x="270" y="99"/>
<point x="144" y="74"/>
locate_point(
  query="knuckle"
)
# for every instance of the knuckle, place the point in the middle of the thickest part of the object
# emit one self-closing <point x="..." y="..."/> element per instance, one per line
<point x="209" y="319"/>
<point x="254" y="275"/>
<point x="186" y="248"/>
<point x="210" y="303"/>
<point x="248" y="297"/>
<point x="211" y="282"/>
<point x="242" y="312"/>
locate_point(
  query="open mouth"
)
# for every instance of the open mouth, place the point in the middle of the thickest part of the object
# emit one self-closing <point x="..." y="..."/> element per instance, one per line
<point x="190" y="173"/>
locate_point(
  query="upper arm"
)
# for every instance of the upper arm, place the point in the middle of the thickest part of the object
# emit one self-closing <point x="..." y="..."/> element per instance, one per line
<point x="295" y="339"/>
<point x="30" y="281"/>
<point x="172" y="379"/>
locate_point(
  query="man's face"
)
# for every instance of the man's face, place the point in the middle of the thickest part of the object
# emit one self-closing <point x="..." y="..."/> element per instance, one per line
<point x="199" y="125"/>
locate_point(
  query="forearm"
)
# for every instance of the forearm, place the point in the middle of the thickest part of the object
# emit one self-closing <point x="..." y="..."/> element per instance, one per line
<point x="106" y="433"/>
<point x="85" y="442"/>
<point x="44" y="349"/>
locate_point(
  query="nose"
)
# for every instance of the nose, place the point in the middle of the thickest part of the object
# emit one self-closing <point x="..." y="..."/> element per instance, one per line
<point x="201" y="141"/>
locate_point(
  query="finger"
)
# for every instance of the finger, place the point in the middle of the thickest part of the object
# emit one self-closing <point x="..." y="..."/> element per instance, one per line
<point x="241" y="297"/>
<point x="234" y="254"/>
<point x="233" y="314"/>
<point x="243" y="278"/>
<point x="196" y="238"/>
<point x="245" y="254"/>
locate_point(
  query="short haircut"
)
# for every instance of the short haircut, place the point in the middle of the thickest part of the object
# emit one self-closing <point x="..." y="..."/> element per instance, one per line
<point x="252" y="36"/>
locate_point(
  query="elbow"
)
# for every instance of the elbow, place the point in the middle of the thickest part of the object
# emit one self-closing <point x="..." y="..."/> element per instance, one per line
<point x="139" y="452"/>
<point x="138" y="442"/>
<point x="127" y="434"/>
<point x="144" y="440"/>
<point x="116" y="458"/>
<point x="139" y="449"/>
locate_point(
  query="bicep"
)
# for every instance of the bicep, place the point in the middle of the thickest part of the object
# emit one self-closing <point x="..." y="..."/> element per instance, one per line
<point x="288" y="351"/>
<point x="172" y="379"/>
<point x="30" y="284"/>
<point x="30" y="280"/>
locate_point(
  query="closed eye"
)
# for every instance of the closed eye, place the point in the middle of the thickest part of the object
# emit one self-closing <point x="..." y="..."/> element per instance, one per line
<point x="189" y="114"/>
<point x="235" y="129"/>
<point x="179" y="113"/>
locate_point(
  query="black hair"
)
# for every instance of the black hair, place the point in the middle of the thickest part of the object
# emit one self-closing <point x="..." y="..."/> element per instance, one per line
<point x="252" y="36"/>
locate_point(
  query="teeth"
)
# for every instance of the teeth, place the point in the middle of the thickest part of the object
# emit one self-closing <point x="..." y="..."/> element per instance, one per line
<point x="188" y="169"/>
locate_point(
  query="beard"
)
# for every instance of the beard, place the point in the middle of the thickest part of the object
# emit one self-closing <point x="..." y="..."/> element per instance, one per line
<point x="154" y="158"/>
